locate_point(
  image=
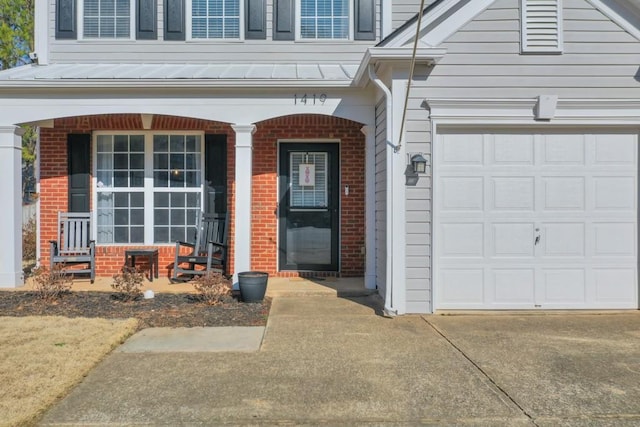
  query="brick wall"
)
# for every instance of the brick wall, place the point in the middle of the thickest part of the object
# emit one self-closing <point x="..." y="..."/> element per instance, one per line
<point x="264" y="222"/>
<point x="54" y="185"/>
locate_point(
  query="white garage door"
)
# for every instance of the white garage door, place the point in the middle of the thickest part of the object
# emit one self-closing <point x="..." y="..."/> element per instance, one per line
<point x="526" y="221"/>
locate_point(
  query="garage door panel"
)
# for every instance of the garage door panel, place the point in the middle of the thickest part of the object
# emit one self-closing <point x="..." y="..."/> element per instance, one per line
<point x="463" y="286"/>
<point x="563" y="150"/>
<point x="615" y="193"/>
<point x="513" y="286"/>
<point x="615" y="239"/>
<point x="513" y="193"/>
<point x="563" y="193"/>
<point x="615" y="285"/>
<point x="513" y="240"/>
<point x="512" y="150"/>
<point x="462" y="193"/>
<point x="496" y="192"/>
<point x="462" y="240"/>
<point x="616" y="150"/>
<point x="463" y="150"/>
<point x="563" y="239"/>
<point x="563" y="285"/>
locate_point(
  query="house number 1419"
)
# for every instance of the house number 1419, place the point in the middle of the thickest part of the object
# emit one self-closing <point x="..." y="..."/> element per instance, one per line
<point x="312" y="99"/>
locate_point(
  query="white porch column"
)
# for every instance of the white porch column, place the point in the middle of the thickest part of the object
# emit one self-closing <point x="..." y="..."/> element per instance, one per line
<point x="11" y="215"/>
<point x="244" y="158"/>
<point x="370" y="208"/>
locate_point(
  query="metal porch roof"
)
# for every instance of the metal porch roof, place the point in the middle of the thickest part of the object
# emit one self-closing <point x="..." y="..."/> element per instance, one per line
<point x="152" y="74"/>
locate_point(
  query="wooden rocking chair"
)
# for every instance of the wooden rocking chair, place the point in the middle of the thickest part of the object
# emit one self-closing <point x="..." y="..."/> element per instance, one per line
<point x="74" y="245"/>
<point x="209" y="251"/>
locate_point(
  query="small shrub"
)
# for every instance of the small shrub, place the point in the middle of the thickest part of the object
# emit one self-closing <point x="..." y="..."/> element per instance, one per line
<point x="128" y="283"/>
<point x="29" y="240"/>
<point x="213" y="287"/>
<point x="50" y="285"/>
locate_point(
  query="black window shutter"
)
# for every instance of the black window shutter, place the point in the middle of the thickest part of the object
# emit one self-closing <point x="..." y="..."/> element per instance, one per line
<point x="174" y="20"/>
<point x="215" y="173"/>
<point x="283" y="20"/>
<point x="365" y="20"/>
<point x="256" y="19"/>
<point x="66" y="19"/>
<point x="146" y="20"/>
<point x="78" y="159"/>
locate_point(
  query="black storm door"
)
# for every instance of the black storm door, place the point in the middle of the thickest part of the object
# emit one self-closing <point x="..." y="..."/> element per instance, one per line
<point x="309" y="206"/>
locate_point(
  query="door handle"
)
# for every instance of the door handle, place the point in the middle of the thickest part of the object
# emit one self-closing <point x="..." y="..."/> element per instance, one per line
<point x="537" y="240"/>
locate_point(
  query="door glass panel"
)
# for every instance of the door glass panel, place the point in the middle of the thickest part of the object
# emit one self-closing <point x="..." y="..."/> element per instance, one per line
<point x="308" y="180"/>
<point x="309" y="221"/>
<point x="309" y="237"/>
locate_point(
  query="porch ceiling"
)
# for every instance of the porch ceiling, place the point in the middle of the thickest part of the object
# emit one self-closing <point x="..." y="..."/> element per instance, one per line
<point x="181" y="75"/>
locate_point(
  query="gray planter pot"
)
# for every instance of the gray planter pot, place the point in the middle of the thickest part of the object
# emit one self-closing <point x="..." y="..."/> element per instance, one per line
<point x="253" y="285"/>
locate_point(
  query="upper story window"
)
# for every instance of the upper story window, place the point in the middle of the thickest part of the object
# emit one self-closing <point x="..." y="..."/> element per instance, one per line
<point x="324" y="19"/>
<point x="541" y="26"/>
<point x="179" y="20"/>
<point x="106" y="19"/>
<point x="215" y="19"/>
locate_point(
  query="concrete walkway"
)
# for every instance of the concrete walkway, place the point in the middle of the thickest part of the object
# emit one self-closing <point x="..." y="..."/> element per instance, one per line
<point x="336" y="361"/>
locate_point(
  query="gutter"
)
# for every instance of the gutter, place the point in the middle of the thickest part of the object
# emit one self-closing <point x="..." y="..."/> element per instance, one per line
<point x="389" y="310"/>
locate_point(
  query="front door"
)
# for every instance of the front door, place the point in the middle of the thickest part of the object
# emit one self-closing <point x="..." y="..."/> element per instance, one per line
<point x="308" y="210"/>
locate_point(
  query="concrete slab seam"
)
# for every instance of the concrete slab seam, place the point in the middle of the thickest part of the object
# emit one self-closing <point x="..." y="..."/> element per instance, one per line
<point x="485" y="374"/>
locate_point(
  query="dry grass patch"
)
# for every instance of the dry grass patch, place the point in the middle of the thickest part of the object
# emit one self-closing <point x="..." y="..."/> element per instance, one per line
<point x="44" y="357"/>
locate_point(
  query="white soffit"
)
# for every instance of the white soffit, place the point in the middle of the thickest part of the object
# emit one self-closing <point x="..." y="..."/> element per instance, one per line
<point x="180" y="75"/>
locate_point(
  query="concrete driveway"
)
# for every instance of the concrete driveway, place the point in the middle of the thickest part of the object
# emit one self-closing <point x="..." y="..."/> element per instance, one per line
<point x="335" y="361"/>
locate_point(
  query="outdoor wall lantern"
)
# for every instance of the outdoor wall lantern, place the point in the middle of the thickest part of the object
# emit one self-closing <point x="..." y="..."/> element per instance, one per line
<point x="416" y="166"/>
<point x="418" y="163"/>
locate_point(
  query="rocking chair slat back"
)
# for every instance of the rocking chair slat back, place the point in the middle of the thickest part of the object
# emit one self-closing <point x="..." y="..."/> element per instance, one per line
<point x="74" y="233"/>
<point x="211" y="229"/>
<point x="208" y="248"/>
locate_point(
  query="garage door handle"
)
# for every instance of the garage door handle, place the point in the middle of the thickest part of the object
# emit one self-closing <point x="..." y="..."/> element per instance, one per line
<point x="537" y="240"/>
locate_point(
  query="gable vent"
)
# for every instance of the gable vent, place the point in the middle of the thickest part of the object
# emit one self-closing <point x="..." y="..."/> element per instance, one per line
<point x="542" y="26"/>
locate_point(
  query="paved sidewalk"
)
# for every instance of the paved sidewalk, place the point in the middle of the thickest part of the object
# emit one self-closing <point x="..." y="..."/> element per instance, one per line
<point x="334" y="361"/>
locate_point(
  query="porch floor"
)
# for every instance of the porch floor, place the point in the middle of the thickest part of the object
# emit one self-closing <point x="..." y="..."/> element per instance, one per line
<point x="277" y="286"/>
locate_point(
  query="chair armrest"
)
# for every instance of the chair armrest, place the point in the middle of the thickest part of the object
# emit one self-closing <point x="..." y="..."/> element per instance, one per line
<point x="54" y="247"/>
<point x="92" y="247"/>
<point x="180" y="243"/>
<point x="218" y="245"/>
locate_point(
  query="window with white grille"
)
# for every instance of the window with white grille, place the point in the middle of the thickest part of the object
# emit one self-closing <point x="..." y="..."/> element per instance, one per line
<point x="106" y="19"/>
<point x="215" y="19"/>
<point x="541" y="26"/>
<point x="324" y="19"/>
<point x="148" y="187"/>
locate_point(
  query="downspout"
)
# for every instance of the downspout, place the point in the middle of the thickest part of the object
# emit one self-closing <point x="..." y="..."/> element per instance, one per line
<point x="389" y="309"/>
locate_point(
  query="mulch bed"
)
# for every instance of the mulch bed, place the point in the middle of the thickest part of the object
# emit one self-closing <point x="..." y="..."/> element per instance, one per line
<point x="165" y="310"/>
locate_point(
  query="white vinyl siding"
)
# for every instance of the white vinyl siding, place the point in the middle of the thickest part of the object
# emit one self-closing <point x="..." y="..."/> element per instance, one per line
<point x="541" y="26"/>
<point x="404" y="10"/>
<point x="599" y="60"/>
<point x="381" y="197"/>
<point x="215" y="19"/>
<point x="106" y="19"/>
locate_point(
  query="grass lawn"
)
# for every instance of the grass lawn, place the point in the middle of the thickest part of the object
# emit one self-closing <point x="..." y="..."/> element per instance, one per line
<point x="44" y="357"/>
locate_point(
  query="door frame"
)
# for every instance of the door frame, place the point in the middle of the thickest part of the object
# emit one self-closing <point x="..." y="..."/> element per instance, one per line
<point x="324" y="145"/>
